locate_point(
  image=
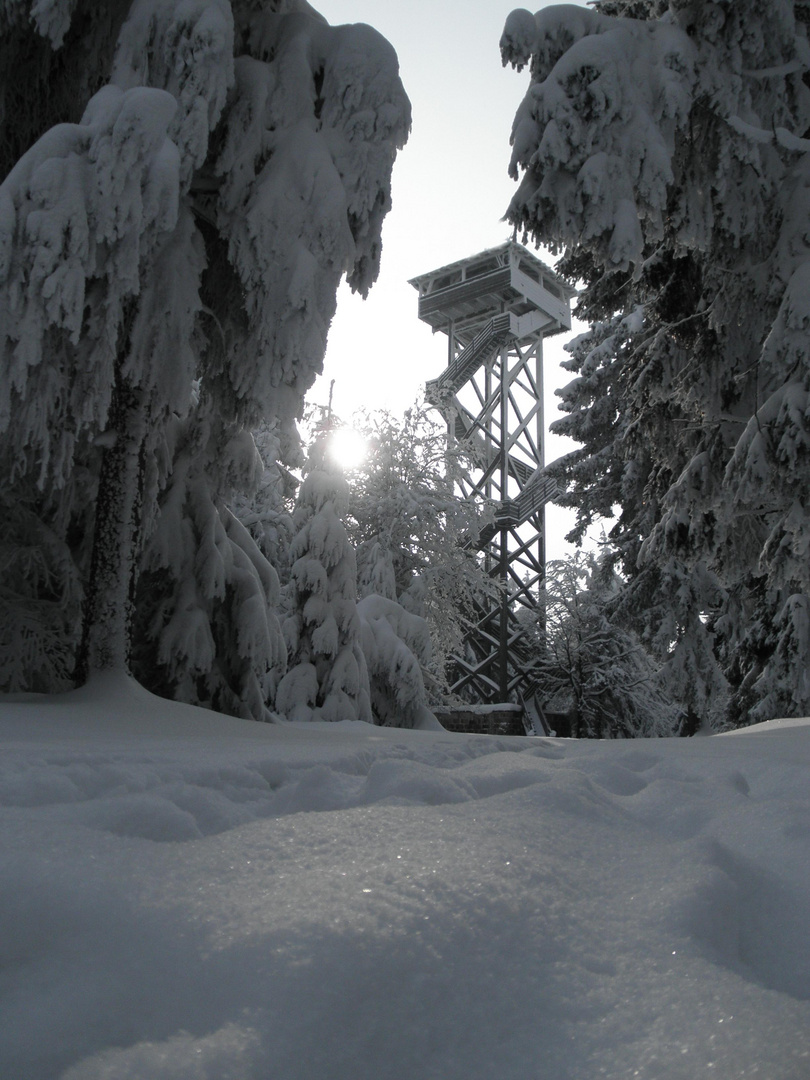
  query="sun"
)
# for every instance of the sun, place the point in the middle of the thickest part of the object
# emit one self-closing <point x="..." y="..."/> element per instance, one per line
<point x="348" y="447"/>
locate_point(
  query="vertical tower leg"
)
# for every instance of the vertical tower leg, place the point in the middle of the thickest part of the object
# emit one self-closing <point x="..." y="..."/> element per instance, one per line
<point x="503" y="569"/>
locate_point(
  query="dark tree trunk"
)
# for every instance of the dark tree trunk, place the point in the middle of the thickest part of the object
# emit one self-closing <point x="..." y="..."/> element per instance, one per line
<point x="116" y="538"/>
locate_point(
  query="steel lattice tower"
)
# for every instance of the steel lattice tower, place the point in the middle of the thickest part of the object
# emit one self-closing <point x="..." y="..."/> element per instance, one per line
<point x="496" y="308"/>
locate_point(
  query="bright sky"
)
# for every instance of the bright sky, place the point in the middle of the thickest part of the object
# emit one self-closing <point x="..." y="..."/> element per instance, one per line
<point x="450" y="190"/>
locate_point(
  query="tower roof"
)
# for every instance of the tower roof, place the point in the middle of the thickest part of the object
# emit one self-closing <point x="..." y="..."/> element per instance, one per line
<point x="508" y="278"/>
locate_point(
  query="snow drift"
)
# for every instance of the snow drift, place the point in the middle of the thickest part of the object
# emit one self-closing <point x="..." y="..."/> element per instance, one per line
<point x="185" y="895"/>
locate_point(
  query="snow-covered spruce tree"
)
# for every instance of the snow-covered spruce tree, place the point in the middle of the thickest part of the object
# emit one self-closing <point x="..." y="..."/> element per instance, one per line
<point x="86" y="214"/>
<point x="266" y="508"/>
<point x="670" y="602"/>
<point x="182" y="242"/>
<point x="397" y="650"/>
<point x="206" y="628"/>
<point x="395" y="641"/>
<point x="666" y="156"/>
<point x="327" y="678"/>
<point x="591" y="667"/>
<point x="411" y="529"/>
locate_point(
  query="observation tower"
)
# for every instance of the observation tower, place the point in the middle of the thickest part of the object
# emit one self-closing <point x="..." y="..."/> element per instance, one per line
<point x="496" y="308"/>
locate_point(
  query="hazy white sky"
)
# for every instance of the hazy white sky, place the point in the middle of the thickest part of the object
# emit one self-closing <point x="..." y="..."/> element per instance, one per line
<point x="450" y="190"/>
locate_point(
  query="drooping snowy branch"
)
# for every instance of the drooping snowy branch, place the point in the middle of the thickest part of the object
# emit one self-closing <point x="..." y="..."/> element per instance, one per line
<point x="396" y="646"/>
<point x="82" y="217"/>
<point x="595" y="135"/>
<point x="304" y="163"/>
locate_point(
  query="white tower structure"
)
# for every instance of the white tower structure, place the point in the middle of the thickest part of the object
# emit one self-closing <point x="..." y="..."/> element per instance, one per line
<point x="496" y="308"/>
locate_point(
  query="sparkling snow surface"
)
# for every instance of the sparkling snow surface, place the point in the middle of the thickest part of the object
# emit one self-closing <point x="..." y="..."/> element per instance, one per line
<point x="187" y="896"/>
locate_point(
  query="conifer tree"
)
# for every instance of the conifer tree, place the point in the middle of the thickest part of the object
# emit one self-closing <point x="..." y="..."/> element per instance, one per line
<point x="206" y="624"/>
<point x="327" y="677"/>
<point x="172" y="250"/>
<point x="665" y="155"/>
<point x="397" y="651"/>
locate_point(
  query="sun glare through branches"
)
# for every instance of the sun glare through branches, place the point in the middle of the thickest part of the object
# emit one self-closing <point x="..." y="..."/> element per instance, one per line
<point x="348" y="447"/>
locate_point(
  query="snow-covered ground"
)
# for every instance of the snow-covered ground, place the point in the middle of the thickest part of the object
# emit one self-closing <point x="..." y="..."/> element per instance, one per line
<point x="187" y="896"/>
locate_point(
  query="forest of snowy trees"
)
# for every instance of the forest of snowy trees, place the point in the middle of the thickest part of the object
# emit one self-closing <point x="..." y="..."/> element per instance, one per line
<point x="184" y="184"/>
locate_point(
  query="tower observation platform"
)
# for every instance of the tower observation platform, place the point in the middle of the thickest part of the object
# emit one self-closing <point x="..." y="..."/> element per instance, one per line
<point x="496" y="308"/>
